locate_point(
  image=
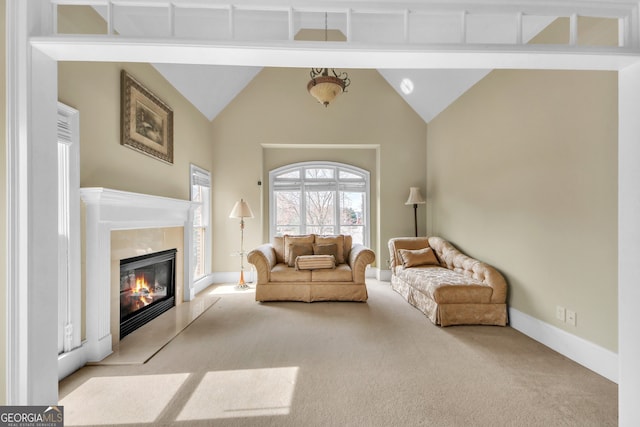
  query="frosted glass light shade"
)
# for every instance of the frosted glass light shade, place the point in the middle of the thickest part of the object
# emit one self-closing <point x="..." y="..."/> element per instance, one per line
<point x="325" y="88"/>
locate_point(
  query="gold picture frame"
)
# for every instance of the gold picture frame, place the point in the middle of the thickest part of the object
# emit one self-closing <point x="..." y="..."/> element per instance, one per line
<point x="146" y="121"/>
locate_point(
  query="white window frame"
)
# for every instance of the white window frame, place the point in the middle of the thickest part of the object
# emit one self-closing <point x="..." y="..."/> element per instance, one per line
<point x="69" y="252"/>
<point x="202" y="177"/>
<point x="334" y="183"/>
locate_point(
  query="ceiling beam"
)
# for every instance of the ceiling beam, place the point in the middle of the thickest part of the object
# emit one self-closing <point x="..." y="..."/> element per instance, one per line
<point x="343" y="55"/>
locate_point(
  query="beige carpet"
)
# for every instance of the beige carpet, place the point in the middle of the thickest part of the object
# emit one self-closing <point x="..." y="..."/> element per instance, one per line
<point x="382" y="363"/>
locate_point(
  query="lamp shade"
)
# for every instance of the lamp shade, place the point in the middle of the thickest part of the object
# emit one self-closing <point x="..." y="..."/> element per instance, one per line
<point x="241" y="210"/>
<point x="415" y="198"/>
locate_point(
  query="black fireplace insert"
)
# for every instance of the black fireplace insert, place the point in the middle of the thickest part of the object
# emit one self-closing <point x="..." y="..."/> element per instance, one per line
<point x="147" y="288"/>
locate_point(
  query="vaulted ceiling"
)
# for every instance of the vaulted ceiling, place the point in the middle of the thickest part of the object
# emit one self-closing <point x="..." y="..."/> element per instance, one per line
<point x="210" y="88"/>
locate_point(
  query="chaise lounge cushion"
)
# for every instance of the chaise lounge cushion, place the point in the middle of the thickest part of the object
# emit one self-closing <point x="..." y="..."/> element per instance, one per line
<point x="446" y="286"/>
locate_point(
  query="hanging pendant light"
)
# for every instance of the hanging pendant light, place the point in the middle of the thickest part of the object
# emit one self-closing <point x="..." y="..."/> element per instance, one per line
<point x="324" y="86"/>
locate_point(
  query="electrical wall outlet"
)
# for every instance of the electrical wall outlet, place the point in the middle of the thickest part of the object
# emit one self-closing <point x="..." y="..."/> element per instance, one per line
<point x="560" y="313"/>
<point x="571" y="317"/>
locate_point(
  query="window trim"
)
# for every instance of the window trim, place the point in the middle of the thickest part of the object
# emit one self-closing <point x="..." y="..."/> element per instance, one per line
<point x="337" y="183"/>
<point x="196" y="174"/>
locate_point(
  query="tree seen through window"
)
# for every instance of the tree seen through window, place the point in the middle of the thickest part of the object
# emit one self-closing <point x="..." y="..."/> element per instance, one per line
<point x="320" y="198"/>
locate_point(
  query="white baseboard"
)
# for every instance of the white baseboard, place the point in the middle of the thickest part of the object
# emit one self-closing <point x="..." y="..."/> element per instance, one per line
<point x="232" y="276"/>
<point x="204" y="283"/>
<point x="71" y="361"/>
<point x="600" y="360"/>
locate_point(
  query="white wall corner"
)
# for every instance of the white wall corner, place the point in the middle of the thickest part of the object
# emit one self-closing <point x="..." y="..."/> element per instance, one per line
<point x="598" y="359"/>
<point x="383" y="275"/>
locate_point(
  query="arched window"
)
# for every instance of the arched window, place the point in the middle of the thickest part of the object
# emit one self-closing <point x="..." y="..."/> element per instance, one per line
<point x="320" y="198"/>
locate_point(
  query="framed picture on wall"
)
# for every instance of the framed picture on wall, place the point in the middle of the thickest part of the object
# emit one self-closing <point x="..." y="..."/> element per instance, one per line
<point x="146" y="121"/>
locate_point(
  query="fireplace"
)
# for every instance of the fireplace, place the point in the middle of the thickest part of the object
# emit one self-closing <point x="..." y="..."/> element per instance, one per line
<point x="147" y="288"/>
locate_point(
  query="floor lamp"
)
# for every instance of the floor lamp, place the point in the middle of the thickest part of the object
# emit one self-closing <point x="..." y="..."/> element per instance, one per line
<point x="241" y="210"/>
<point x="415" y="199"/>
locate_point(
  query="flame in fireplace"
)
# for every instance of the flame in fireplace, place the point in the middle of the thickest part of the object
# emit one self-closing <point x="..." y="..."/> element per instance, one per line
<point x="143" y="291"/>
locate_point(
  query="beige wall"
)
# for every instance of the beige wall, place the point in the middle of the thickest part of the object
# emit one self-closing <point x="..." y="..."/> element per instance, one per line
<point x="3" y="205"/>
<point x="377" y="129"/>
<point x="529" y="183"/>
<point x="94" y="90"/>
<point x="522" y="173"/>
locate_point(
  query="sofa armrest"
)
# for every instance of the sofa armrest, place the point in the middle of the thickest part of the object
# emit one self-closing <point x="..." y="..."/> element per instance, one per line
<point x="359" y="258"/>
<point x="264" y="259"/>
<point x="451" y="258"/>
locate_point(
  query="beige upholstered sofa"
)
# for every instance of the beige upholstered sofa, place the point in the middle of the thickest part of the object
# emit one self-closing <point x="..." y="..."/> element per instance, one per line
<point x="279" y="279"/>
<point x="448" y="286"/>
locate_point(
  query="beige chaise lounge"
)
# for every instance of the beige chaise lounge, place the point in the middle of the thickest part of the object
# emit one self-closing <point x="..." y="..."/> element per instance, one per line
<point x="449" y="287"/>
<point x="280" y="280"/>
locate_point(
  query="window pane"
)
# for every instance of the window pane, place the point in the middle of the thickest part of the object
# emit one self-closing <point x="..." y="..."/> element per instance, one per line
<point x="196" y="193"/>
<point x="281" y="230"/>
<point x="348" y="175"/>
<point x="321" y="229"/>
<point x="287" y="208"/>
<point x="320" y="208"/>
<point x="321" y="198"/>
<point x="197" y="216"/>
<point x="319" y="173"/>
<point x="198" y="251"/>
<point x="201" y="196"/>
<point x="289" y="175"/>
<point x="352" y="208"/>
<point x="356" y="232"/>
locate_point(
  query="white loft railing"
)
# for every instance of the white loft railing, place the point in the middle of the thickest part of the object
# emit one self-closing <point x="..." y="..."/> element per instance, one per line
<point x="426" y="23"/>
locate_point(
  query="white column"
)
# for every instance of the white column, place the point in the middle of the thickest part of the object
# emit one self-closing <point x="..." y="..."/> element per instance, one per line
<point x="98" y="285"/>
<point x="629" y="245"/>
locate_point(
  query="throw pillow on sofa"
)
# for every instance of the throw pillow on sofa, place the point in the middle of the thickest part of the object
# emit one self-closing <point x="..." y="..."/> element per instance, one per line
<point x="298" y="249"/>
<point x="417" y="257"/>
<point x="338" y="241"/>
<point x="296" y="239"/>
<point x="326" y="249"/>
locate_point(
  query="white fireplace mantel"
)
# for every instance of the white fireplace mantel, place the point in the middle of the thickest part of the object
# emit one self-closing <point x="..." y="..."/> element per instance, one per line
<point x="108" y="210"/>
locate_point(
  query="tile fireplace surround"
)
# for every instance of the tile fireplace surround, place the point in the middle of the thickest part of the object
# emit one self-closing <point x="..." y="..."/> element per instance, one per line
<point x="108" y="211"/>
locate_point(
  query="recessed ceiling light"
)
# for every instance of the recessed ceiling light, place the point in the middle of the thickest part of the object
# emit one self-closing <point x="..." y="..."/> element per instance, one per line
<point x="406" y="86"/>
